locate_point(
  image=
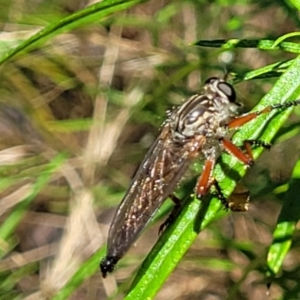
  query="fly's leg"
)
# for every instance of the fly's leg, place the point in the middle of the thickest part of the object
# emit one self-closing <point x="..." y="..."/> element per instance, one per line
<point x="205" y="180"/>
<point x="238" y="200"/>
<point x="172" y="216"/>
<point x="256" y="143"/>
<point x="220" y="194"/>
<point x="241" y="120"/>
<point x="247" y="159"/>
<point x="203" y="185"/>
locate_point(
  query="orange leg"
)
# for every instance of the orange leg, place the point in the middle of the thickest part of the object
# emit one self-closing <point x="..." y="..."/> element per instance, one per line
<point x="241" y="120"/>
<point x="247" y="159"/>
<point x="205" y="181"/>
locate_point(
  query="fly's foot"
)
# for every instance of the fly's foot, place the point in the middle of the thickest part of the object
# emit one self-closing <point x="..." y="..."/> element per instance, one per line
<point x="174" y="213"/>
<point x="164" y="225"/>
<point x="239" y="200"/>
<point x="258" y="143"/>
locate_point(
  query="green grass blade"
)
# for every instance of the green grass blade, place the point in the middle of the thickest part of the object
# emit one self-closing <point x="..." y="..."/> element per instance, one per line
<point x="246" y="43"/>
<point x="286" y="36"/>
<point x="286" y="225"/>
<point x="12" y="221"/>
<point x="295" y="4"/>
<point x="272" y="70"/>
<point x="196" y="215"/>
<point x="87" y="269"/>
<point x="85" y="16"/>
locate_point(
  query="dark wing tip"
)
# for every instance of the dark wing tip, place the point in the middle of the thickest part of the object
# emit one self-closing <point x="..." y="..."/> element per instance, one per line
<point x="108" y="264"/>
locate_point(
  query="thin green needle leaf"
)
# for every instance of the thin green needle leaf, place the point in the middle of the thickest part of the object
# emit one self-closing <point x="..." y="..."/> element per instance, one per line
<point x="286" y="225"/>
<point x="196" y="215"/>
<point x="85" y="16"/>
<point x="272" y="70"/>
<point x="87" y="269"/>
<point x="295" y="3"/>
<point x="258" y="44"/>
<point x="284" y="37"/>
<point x="12" y="221"/>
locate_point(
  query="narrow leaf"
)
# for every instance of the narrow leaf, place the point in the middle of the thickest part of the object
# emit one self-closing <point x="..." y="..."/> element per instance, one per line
<point x="85" y="16"/>
<point x="245" y="43"/>
<point x="286" y="225"/>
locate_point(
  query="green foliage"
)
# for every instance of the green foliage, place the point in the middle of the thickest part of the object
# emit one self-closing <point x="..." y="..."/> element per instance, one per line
<point x="83" y="98"/>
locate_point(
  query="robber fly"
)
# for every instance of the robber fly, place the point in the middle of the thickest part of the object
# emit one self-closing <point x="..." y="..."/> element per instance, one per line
<point x="199" y="128"/>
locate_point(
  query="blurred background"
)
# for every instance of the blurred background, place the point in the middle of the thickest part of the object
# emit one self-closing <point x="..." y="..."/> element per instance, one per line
<point x="78" y="114"/>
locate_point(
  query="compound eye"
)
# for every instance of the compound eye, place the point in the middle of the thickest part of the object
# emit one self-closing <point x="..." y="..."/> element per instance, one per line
<point x="210" y="80"/>
<point x="228" y="90"/>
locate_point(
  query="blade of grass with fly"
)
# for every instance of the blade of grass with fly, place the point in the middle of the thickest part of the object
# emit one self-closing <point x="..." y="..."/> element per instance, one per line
<point x="196" y="215"/>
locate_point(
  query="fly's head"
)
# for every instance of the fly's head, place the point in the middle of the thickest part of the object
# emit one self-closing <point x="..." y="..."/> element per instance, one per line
<point x="223" y="98"/>
<point x="205" y="113"/>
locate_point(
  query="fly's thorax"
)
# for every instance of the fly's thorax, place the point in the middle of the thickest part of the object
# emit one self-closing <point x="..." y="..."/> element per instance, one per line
<point x="205" y="113"/>
<point x="195" y="116"/>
